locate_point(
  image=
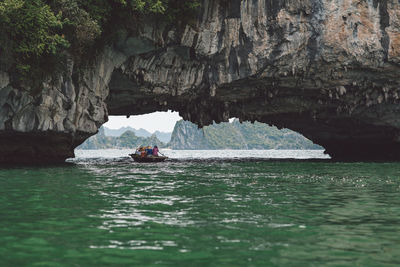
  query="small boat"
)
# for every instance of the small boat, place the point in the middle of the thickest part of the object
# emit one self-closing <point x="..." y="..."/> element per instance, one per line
<point x="139" y="158"/>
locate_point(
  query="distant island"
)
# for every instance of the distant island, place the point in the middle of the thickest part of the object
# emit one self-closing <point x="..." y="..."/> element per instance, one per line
<point x="164" y="137"/>
<point x="128" y="139"/>
<point x="187" y="136"/>
<point x="236" y="135"/>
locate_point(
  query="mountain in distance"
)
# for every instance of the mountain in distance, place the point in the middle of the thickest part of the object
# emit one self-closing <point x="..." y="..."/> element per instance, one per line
<point x="126" y="140"/>
<point x="186" y="135"/>
<point x="236" y="135"/>
<point x="117" y="132"/>
<point x="164" y="137"/>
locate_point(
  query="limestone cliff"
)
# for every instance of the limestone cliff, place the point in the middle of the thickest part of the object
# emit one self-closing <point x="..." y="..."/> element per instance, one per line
<point x="236" y="135"/>
<point x="327" y="69"/>
<point x="48" y="126"/>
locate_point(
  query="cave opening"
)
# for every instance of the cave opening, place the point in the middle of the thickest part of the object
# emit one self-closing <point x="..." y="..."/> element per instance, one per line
<point x="169" y="130"/>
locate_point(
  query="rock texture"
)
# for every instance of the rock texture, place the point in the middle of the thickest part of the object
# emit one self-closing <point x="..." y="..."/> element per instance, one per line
<point x="48" y="126"/>
<point x="236" y="135"/>
<point x="327" y="69"/>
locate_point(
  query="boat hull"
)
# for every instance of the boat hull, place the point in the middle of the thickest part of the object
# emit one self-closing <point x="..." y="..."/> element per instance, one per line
<point x="138" y="158"/>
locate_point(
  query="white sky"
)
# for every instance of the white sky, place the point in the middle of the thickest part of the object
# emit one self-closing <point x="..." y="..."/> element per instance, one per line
<point x="161" y="121"/>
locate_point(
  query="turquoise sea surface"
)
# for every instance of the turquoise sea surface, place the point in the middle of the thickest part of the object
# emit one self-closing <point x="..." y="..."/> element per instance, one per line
<point x="201" y="208"/>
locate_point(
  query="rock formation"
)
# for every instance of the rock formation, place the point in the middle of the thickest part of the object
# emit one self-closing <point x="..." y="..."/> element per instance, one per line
<point x="127" y="140"/>
<point x="46" y="127"/>
<point x="236" y="135"/>
<point x="327" y="69"/>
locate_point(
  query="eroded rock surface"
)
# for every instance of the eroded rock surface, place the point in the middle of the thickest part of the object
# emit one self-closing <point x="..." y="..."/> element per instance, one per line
<point x="46" y="127"/>
<point x="327" y="69"/>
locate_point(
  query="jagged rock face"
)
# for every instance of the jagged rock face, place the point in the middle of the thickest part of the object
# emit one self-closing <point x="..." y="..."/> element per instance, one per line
<point x="48" y="126"/>
<point x="236" y="135"/>
<point x="186" y="136"/>
<point x="327" y="69"/>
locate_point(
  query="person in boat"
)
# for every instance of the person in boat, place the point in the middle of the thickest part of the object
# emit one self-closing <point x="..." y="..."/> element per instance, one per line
<point x="149" y="150"/>
<point x="155" y="151"/>
<point x="139" y="150"/>
<point x="143" y="153"/>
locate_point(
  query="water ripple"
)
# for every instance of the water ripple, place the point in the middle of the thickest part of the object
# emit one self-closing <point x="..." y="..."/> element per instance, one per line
<point x="222" y="212"/>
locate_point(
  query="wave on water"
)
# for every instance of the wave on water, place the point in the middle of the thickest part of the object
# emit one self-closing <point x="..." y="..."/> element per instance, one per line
<point x="200" y="207"/>
<point x="121" y="156"/>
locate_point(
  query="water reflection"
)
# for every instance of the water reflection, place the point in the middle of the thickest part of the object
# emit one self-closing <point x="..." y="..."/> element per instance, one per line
<point x="194" y="212"/>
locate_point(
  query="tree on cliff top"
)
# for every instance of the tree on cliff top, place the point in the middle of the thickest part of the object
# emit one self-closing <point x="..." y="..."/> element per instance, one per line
<point x="35" y="33"/>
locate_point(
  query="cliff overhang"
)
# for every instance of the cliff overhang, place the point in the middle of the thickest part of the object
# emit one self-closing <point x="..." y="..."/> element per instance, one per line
<point x="327" y="70"/>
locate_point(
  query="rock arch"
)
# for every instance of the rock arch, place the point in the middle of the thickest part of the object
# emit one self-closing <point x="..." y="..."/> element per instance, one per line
<point x="328" y="70"/>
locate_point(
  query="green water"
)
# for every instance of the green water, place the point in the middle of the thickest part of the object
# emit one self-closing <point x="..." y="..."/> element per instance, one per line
<point x="201" y="213"/>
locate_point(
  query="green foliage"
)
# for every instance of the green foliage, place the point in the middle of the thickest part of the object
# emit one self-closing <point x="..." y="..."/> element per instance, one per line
<point x="182" y="11"/>
<point x="80" y="27"/>
<point x="236" y="135"/>
<point x="33" y="31"/>
<point x="127" y="140"/>
<point x="36" y="32"/>
<point x="149" y="6"/>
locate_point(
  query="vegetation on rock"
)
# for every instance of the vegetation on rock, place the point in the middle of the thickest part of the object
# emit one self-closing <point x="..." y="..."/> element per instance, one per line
<point x="34" y="34"/>
<point x="236" y="135"/>
<point x="127" y="140"/>
<point x="187" y="135"/>
<point x="164" y="137"/>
